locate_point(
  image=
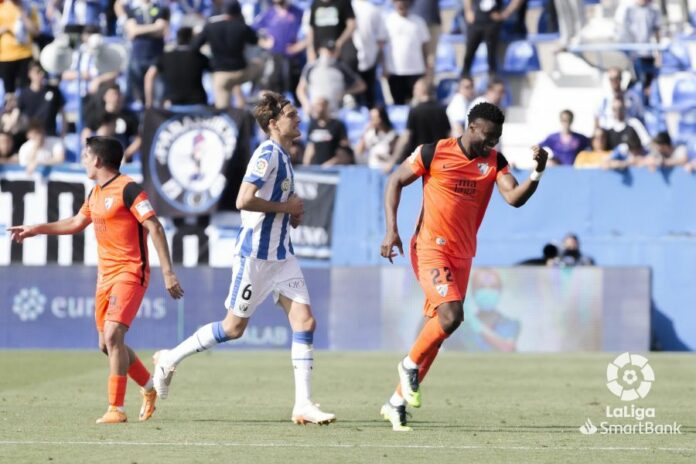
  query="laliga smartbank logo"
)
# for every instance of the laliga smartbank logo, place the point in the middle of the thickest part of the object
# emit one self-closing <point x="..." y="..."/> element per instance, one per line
<point x="630" y="378"/>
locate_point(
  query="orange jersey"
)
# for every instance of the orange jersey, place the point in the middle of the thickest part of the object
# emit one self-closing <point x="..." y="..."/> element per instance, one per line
<point x="456" y="192"/>
<point x="117" y="209"/>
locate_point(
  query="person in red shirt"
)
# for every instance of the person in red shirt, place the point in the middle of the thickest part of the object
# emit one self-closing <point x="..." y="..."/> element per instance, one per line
<point x="458" y="178"/>
<point x="122" y="216"/>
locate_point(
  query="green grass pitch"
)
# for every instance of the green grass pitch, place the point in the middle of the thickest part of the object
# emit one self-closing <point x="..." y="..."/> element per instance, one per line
<point x="234" y="407"/>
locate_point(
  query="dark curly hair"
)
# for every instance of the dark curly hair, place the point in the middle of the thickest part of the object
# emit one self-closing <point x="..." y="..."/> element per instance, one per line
<point x="270" y="106"/>
<point x="487" y="111"/>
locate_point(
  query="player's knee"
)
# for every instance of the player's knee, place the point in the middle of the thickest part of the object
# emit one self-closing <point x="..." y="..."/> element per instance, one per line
<point x="451" y="316"/>
<point x="103" y="349"/>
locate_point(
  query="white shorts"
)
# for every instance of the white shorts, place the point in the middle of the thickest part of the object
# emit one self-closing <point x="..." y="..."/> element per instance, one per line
<point x="253" y="279"/>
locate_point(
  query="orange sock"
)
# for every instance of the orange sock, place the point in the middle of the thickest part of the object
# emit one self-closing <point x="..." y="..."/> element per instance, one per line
<point x="117" y="390"/>
<point x="430" y="337"/>
<point x="423" y="367"/>
<point x="138" y="372"/>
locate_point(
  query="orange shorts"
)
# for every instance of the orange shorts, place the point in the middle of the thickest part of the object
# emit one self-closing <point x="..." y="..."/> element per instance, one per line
<point x="118" y="302"/>
<point x="443" y="278"/>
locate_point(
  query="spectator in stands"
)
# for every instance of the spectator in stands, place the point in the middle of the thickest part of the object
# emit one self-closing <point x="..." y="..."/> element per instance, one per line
<point x="228" y="35"/>
<point x="329" y="20"/>
<point x="459" y="106"/>
<point x="92" y="79"/>
<point x="376" y="144"/>
<point x="429" y="11"/>
<point x="127" y="123"/>
<point x="7" y="152"/>
<point x="598" y="155"/>
<point x="426" y="123"/>
<point x="40" y="150"/>
<point x="663" y="154"/>
<point x="405" y="59"/>
<point x="604" y="117"/>
<point x="495" y="93"/>
<point x="329" y="79"/>
<point x="548" y="257"/>
<point x="327" y="138"/>
<point x="484" y="18"/>
<point x="81" y="13"/>
<point x="623" y="139"/>
<point x="369" y="38"/>
<point x="18" y="26"/>
<point x="107" y="125"/>
<point x="180" y="88"/>
<point x="571" y="20"/>
<point x="278" y="28"/>
<point x="146" y="28"/>
<point x="10" y="119"/>
<point x="566" y="144"/>
<point x="571" y="255"/>
<point x="639" y="23"/>
<point x="42" y="102"/>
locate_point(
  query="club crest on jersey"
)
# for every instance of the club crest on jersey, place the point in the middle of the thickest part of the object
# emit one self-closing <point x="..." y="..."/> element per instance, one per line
<point x="442" y="289"/>
<point x="483" y="168"/>
<point x="285" y="185"/>
<point x="108" y="201"/>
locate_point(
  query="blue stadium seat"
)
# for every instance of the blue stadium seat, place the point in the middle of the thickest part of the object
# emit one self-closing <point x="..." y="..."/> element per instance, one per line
<point x="71" y="94"/>
<point x="654" y="119"/>
<point x="450" y="4"/>
<point x="398" y="114"/>
<point x="445" y="57"/>
<point x="687" y="125"/>
<point x="480" y="64"/>
<point x="675" y="58"/>
<point x="72" y="148"/>
<point x="446" y="88"/>
<point x="520" y="58"/>
<point x="355" y="120"/>
<point x="684" y="92"/>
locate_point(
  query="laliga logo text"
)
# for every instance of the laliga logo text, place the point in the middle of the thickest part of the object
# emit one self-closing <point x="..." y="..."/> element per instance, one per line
<point x="630" y="378"/>
<point x="28" y="304"/>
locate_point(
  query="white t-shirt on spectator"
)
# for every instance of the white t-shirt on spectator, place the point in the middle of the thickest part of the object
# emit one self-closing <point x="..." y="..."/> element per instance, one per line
<point x="458" y="110"/>
<point x="406" y="36"/>
<point x="51" y="150"/>
<point x="369" y="30"/>
<point x="378" y="145"/>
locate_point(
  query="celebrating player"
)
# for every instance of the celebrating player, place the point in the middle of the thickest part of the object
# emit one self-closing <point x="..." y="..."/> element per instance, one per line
<point x="264" y="260"/>
<point x="122" y="217"/>
<point x="459" y="174"/>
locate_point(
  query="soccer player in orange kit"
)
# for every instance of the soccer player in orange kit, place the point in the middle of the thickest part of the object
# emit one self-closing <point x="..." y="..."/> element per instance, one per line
<point x="458" y="178"/>
<point x="122" y="216"/>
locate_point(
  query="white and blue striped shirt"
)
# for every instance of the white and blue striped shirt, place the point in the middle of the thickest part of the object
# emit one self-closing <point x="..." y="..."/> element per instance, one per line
<point x="266" y="235"/>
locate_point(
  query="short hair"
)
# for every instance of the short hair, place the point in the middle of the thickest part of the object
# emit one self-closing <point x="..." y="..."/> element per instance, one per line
<point x="487" y="111"/>
<point x="108" y="118"/>
<point x="662" y="138"/>
<point x="108" y="149"/>
<point x="494" y="81"/>
<point x="270" y="106"/>
<point x="36" y="65"/>
<point x="36" y="125"/>
<point x="569" y="113"/>
<point x="184" y="35"/>
<point x="233" y="8"/>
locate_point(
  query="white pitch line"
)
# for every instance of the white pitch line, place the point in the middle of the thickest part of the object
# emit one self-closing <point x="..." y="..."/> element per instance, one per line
<point x="338" y="445"/>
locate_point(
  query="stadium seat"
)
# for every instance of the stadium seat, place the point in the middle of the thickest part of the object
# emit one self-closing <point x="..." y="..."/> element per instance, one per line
<point x="71" y="94"/>
<point x="654" y="120"/>
<point x="684" y="93"/>
<point x="446" y="88"/>
<point x="398" y="114"/>
<point x="355" y="120"/>
<point x="520" y="58"/>
<point x="480" y="64"/>
<point x="72" y="148"/>
<point x="687" y="125"/>
<point x="450" y="4"/>
<point x="445" y="57"/>
<point x="675" y="58"/>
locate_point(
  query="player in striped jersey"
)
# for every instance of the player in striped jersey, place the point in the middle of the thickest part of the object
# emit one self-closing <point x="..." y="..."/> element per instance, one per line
<point x="264" y="262"/>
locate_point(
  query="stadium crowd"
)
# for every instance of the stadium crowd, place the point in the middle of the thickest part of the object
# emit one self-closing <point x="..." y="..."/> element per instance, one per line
<point x="367" y="74"/>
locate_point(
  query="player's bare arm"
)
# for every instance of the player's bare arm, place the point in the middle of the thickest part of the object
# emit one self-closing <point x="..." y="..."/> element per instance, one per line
<point x="159" y="239"/>
<point x="67" y="226"/>
<point x="518" y="194"/>
<point x="402" y="177"/>
<point x="248" y="201"/>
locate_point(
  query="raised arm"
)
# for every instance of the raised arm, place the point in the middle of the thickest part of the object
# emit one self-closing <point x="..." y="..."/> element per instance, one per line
<point x="67" y="226"/>
<point x="159" y="239"/>
<point x="518" y="194"/>
<point x="399" y="179"/>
